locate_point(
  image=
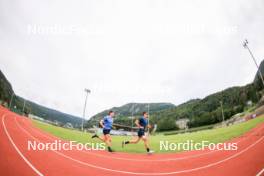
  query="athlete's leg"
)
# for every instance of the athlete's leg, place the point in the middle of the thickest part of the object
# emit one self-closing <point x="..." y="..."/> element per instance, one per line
<point x="134" y="141"/>
<point x="102" y="138"/>
<point x="108" y="140"/>
<point x="146" y="144"/>
<point x="145" y="140"/>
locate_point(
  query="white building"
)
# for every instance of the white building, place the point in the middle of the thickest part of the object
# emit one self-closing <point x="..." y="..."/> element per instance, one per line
<point x="182" y="123"/>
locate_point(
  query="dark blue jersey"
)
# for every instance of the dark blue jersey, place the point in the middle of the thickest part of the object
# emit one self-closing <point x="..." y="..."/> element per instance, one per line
<point x="143" y="122"/>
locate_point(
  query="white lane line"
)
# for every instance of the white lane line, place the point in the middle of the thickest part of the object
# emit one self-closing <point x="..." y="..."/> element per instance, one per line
<point x="148" y="160"/>
<point x="260" y="173"/>
<point x="18" y="151"/>
<point x="150" y="173"/>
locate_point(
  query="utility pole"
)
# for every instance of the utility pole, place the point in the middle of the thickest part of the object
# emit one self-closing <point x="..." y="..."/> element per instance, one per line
<point x="245" y="44"/>
<point x="223" y="115"/>
<point x="148" y="109"/>
<point x="87" y="91"/>
<point x="148" y="117"/>
<point x="132" y="116"/>
<point x="24" y="105"/>
<point x="10" y="104"/>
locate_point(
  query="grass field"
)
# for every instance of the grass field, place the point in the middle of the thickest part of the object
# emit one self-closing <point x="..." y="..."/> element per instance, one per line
<point x="212" y="135"/>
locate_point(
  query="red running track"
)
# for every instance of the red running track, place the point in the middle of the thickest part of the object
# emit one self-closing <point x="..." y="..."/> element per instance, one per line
<point x="16" y="159"/>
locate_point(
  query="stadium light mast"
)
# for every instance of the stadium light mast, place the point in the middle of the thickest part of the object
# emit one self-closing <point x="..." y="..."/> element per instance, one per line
<point x="245" y="44"/>
<point x="87" y="91"/>
<point x="148" y="117"/>
<point x="223" y="115"/>
<point x="132" y="116"/>
<point x="11" y="100"/>
<point x="24" y="105"/>
<point x="148" y="109"/>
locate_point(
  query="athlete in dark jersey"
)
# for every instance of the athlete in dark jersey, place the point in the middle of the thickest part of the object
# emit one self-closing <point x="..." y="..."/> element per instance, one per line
<point x="142" y="124"/>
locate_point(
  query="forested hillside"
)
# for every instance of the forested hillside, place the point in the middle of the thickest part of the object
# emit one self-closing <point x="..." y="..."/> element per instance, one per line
<point x="6" y="92"/>
<point x="124" y="112"/>
<point x="208" y="110"/>
<point x="200" y="112"/>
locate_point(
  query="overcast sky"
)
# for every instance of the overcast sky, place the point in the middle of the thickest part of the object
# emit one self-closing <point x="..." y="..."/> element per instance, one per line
<point x="127" y="51"/>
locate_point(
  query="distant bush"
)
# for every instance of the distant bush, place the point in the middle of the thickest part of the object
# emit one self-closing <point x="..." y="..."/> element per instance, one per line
<point x="167" y="124"/>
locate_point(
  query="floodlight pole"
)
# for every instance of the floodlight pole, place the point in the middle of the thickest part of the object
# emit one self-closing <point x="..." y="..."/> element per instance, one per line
<point x="148" y="109"/>
<point x="132" y="116"/>
<point x="24" y="106"/>
<point x="223" y="115"/>
<point x="87" y="92"/>
<point x="10" y="104"/>
<point x="245" y="44"/>
<point x="148" y="118"/>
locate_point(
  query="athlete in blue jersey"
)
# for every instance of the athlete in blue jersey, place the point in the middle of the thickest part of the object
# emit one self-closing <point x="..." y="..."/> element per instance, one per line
<point x="107" y="124"/>
<point x="142" y="124"/>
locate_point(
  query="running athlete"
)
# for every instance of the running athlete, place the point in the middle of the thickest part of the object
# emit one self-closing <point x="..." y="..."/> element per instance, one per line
<point x="142" y="124"/>
<point x="106" y="123"/>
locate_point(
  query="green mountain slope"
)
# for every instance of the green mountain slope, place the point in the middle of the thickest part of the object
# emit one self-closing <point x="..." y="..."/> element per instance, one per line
<point x="6" y="93"/>
<point x="6" y="90"/>
<point x="125" y="111"/>
<point x="257" y="80"/>
<point x="208" y="110"/>
<point x="200" y="112"/>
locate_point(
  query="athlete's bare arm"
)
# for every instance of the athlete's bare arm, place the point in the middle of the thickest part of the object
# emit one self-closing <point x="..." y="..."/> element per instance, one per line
<point x="102" y="123"/>
<point x="137" y="124"/>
